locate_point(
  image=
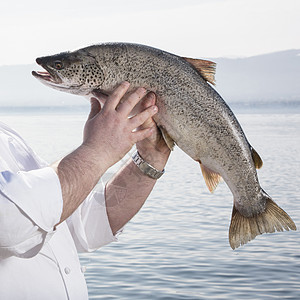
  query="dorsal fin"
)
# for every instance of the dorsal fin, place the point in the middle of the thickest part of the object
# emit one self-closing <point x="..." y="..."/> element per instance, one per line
<point x="211" y="178"/>
<point x="206" y="68"/>
<point x="256" y="158"/>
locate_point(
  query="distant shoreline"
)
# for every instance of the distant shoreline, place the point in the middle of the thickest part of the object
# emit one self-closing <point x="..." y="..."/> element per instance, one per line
<point x="237" y="107"/>
<point x="265" y="106"/>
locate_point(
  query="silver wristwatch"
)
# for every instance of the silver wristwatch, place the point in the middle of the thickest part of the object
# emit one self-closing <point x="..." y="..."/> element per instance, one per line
<point x="146" y="168"/>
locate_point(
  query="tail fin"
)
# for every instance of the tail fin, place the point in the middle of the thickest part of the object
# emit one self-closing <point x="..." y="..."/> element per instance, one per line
<point x="242" y="229"/>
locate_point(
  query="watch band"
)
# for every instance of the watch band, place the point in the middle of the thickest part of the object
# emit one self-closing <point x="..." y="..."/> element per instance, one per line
<point x="146" y="168"/>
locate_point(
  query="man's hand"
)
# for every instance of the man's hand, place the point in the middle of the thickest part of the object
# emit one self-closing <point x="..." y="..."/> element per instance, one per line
<point x="109" y="132"/>
<point x="152" y="147"/>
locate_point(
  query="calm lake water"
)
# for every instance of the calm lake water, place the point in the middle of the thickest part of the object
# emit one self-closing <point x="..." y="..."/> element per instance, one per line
<point x="177" y="246"/>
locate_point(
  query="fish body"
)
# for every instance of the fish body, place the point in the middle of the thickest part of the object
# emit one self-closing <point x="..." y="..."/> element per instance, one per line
<point x="191" y="114"/>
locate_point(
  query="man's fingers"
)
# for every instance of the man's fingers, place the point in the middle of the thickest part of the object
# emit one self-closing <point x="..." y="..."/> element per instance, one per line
<point x="95" y="108"/>
<point x="142" y="134"/>
<point x="114" y="99"/>
<point x="148" y="101"/>
<point x="127" y="106"/>
<point x="142" y="117"/>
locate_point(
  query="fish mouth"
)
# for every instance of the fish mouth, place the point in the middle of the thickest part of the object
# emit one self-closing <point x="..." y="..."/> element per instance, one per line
<point x="47" y="76"/>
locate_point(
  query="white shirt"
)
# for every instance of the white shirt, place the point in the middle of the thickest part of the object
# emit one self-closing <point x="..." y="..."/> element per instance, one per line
<point x="36" y="261"/>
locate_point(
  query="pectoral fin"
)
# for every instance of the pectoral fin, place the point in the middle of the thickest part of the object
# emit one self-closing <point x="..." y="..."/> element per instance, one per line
<point x="169" y="141"/>
<point x="206" y="68"/>
<point x="211" y="178"/>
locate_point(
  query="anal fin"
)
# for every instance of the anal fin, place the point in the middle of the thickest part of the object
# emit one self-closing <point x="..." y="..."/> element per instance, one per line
<point x="256" y="158"/>
<point x="211" y="178"/>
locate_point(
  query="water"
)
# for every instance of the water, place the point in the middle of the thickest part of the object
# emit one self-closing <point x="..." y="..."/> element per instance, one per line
<point x="177" y="246"/>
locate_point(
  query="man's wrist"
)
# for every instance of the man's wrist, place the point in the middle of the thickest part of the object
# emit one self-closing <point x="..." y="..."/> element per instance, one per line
<point x="155" y="158"/>
<point x="95" y="157"/>
<point x="145" y="167"/>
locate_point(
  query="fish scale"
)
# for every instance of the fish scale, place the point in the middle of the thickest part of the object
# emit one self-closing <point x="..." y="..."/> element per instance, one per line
<point x="191" y="115"/>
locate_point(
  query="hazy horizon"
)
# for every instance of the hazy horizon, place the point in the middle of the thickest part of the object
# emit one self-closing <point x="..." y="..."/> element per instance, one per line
<point x="271" y="77"/>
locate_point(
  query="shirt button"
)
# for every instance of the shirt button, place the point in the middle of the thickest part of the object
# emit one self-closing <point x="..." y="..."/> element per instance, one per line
<point x="83" y="269"/>
<point x="67" y="270"/>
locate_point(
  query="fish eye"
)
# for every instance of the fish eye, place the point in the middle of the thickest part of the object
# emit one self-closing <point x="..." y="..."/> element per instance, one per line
<point x="58" y="65"/>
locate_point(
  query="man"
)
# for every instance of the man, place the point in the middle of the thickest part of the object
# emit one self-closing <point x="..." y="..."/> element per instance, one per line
<point x="49" y="213"/>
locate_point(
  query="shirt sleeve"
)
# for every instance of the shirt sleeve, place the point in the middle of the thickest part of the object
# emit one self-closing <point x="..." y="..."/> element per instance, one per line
<point x="89" y="224"/>
<point x="31" y="205"/>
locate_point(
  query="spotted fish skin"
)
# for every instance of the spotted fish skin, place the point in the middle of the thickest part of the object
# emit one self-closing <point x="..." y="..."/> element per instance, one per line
<point x="191" y="113"/>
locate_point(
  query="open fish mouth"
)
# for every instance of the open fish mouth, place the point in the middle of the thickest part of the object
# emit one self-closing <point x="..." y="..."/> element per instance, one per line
<point x="48" y="75"/>
<point x="44" y="76"/>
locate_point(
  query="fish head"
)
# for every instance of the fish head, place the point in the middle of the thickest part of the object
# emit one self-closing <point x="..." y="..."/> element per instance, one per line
<point x="72" y="72"/>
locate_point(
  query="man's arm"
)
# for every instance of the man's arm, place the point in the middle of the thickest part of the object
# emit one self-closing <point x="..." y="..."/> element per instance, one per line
<point x="109" y="134"/>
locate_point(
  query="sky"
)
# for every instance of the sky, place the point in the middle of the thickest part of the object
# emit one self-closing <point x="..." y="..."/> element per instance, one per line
<point x="194" y="28"/>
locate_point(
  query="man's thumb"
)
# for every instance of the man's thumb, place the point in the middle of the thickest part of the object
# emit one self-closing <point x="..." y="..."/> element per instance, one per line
<point x="95" y="108"/>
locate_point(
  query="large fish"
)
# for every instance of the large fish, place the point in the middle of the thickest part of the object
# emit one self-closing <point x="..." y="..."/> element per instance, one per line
<point x="191" y="115"/>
